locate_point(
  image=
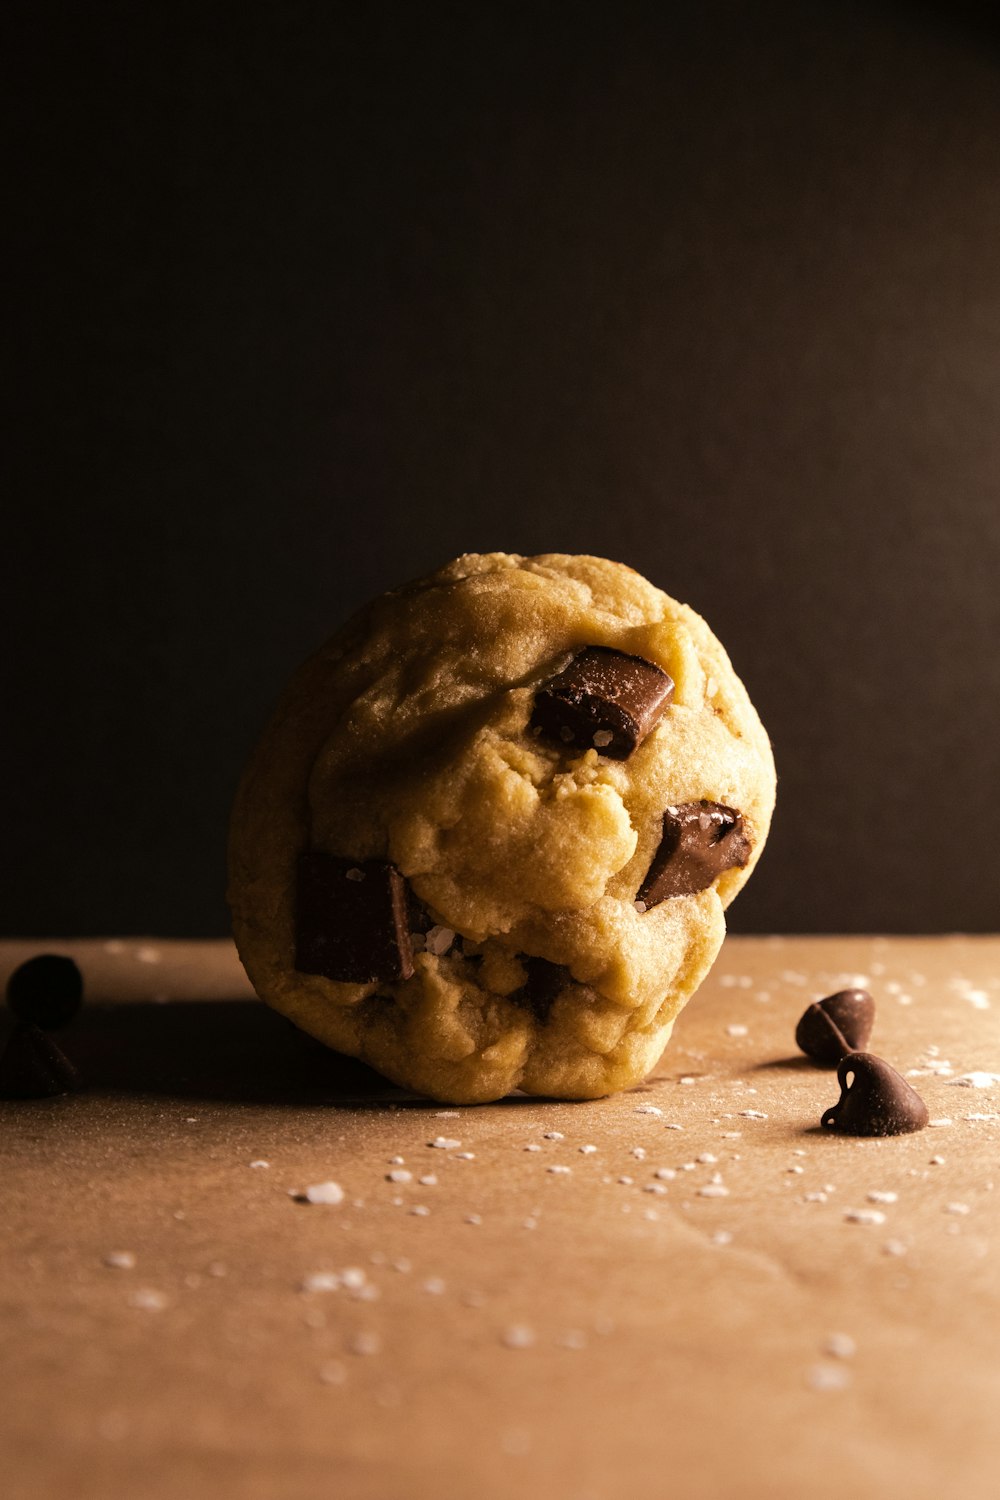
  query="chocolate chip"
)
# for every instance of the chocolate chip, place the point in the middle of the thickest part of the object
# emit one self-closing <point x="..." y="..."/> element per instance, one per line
<point x="700" y="840"/>
<point x="604" y="699"/>
<point x="351" y="920"/>
<point x="831" y="1028"/>
<point x="46" y="990"/>
<point x="874" y="1099"/>
<point x="545" y="981"/>
<point x="33" y="1067"/>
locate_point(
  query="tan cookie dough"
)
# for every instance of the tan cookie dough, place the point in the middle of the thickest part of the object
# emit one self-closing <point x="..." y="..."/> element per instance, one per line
<point x="407" y="738"/>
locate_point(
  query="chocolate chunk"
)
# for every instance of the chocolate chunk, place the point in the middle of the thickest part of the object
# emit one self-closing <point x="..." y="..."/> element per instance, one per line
<point x="33" y="1067"/>
<point x="831" y="1028"/>
<point x="874" y="1099"/>
<point x="604" y="699"/>
<point x="46" y="991"/>
<point x="700" y="840"/>
<point x="351" y="920"/>
<point x="544" y="983"/>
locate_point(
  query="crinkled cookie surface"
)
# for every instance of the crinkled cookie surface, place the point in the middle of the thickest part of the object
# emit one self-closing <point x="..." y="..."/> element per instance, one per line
<point x="409" y="740"/>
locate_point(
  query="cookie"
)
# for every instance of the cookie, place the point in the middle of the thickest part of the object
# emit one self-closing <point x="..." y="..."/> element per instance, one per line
<point x="488" y="837"/>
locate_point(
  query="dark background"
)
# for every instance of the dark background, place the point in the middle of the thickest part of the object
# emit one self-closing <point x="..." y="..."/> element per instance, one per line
<point x="314" y="297"/>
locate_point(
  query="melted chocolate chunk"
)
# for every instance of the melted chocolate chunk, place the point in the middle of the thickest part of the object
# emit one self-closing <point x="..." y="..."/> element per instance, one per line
<point x="874" y="1099"/>
<point x="46" y="991"/>
<point x="33" y="1067"/>
<point x="352" y="920"/>
<point x="833" y="1027"/>
<point x="544" y="983"/>
<point x="604" y="699"/>
<point x="700" y="840"/>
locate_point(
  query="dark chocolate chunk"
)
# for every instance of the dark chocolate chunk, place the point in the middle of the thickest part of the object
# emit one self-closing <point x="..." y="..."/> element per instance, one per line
<point x="33" y="1067"/>
<point x="700" y="840"/>
<point x="544" y="983"/>
<point x="352" y="920"/>
<point x="831" y="1028"/>
<point x="46" y="990"/>
<point x="874" y="1099"/>
<point x="604" y="699"/>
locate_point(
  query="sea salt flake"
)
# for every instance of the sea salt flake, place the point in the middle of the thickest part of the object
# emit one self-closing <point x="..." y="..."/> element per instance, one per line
<point x="840" y="1346"/>
<point x="560" y="1171"/>
<point x="957" y="1208"/>
<point x="148" y="1300"/>
<point x="828" y="1378"/>
<point x="722" y="1237"/>
<point x="428" y="1180"/>
<point x="665" y="1174"/>
<point x="753" y="1114"/>
<point x="706" y="1157"/>
<point x="554" y="1135"/>
<point x="323" y="1192"/>
<point x="320" y="1281"/>
<point x="120" y="1260"/>
<point x="366" y="1341"/>
<point x="713" y="1190"/>
<point x="439" y="940"/>
<point x="639" y="1152"/>
<point x="648" y="1109"/>
<point x="878" y="1196"/>
<point x="446" y="1114"/>
<point x="978" y="1079"/>
<point x="435" y="1286"/>
<point x="332" y="1372"/>
<point x="518" y="1336"/>
<point x="260" y="1163"/>
<point x="444" y="1143"/>
<point x="864" y="1216"/>
<point x="737" y="1030"/>
<point x="420" y="1211"/>
<point x="587" y="1150"/>
<point x="655" y="1187"/>
<point x="399" y="1174"/>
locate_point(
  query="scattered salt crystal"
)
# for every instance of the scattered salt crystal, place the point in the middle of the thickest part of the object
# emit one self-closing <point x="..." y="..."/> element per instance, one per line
<point x="840" y="1346"/>
<point x="603" y="737"/>
<point x="667" y="1126"/>
<point x="864" y="1216"/>
<point x="333" y="1372"/>
<point x="260" y="1163"/>
<point x="655" y="1187"/>
<point x="937" y="1161"/>
<point x="722" y="1237"/>
<point x="396" y="1161"/>
<point x="625" y="1181"/>
<point x="435" y="1286"/>
<point x="419" y="1211"/>
<point x="957" y="1208"/>
<point x="713" y="1190"/>
<point x="639" y="1152"/>
<point x="465" y="1155"/>
<point x="322" y="1192"/>
<point x="428" y="1180"/>
<point x="518" y="1336"/>
<point x="148" y="1300"/>
<point x="648" y="1109"/>
<point x="737" y="1030"/>
<point x="353" y="1277"/>
<point x="532" y="1147"/>
<point x="367" y="1341"/>
<point x="665" y="1174"/>
<point x="687" y="1079"/>
<point x="706" y="1157"/>
<point x="399" y="1174"/>
<point x="877" y="1196"/>
<point x="587" y="1150"/>
<point x="554" y="1135"/>
<point x="120" y="1260"/>
<point x="439" y="940"/>
<point x="796" y="1170"/>
<point x="732" y="1135"/>
<point x="444" y="1143"/>
<point x="320" y="1281"/>
<point x="976" y="1080"/>
<point x="982" y="1117"/>
<point x="940" y="1123"/>
<point x="814" y="1198"/>
<point x="560" y="1171"/>
<point x="752" y="1114"/>
<point x="828" y="1378"/>
<point x="473" y="1219"/>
